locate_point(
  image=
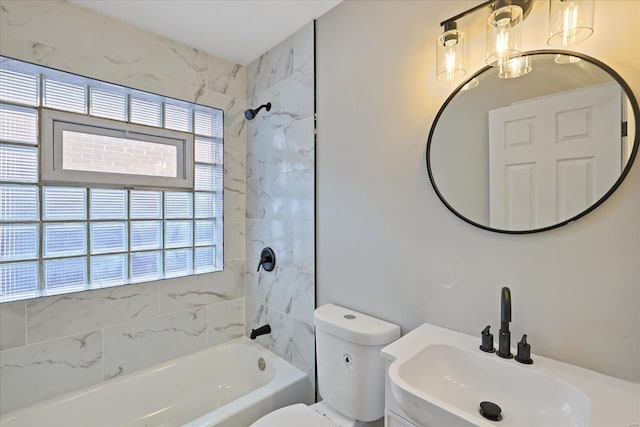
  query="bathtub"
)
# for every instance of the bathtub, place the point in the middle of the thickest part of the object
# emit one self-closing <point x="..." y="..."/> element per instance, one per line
<point x="218" y="386"/>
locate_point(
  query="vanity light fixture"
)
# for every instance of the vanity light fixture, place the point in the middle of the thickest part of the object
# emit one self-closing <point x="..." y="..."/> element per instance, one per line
<point x="570" y="21"/>
<point x="515" y="67"/>
<point x="450" y="53"/>
<point x="504" y="34"/>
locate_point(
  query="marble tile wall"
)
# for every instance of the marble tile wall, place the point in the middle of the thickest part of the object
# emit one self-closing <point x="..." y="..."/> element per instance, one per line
<point x="58" y="344"/>
<point x="280" y="199"/>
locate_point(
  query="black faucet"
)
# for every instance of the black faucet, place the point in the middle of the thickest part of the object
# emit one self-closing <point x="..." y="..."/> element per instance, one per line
<point x="504" y="336"/>
<point x="262" y="330"/>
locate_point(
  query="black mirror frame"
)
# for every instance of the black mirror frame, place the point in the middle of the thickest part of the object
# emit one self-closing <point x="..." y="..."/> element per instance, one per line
<point x="636" y="114"/>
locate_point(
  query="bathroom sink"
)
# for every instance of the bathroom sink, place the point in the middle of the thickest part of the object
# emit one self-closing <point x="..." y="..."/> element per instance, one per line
<point x="453" y="377"/>
<point x="439" y="377"/>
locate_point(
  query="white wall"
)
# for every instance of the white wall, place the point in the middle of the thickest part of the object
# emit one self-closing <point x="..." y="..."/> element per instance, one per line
<point x="58" y="344"/>
<point x="388" y="247"/>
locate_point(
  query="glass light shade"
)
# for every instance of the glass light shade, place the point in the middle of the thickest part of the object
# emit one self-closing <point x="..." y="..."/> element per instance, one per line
<point x="570" y="21"/>
<point x="471" y="84"/>
<point x="450" y="55"/>
<point x="504" y="35"/>
<point x="516" y="67"/>
<point x="566" y="59"/>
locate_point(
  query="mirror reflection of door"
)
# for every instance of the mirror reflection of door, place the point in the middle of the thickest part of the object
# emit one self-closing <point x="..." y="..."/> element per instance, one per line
<point x="551" y="158"/>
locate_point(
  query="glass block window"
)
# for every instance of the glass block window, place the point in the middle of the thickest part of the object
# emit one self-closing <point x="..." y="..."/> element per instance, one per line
<point x="59" y="236"/>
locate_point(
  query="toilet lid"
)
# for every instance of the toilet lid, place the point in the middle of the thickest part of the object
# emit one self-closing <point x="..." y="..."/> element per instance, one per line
<point x="293" y="416"/>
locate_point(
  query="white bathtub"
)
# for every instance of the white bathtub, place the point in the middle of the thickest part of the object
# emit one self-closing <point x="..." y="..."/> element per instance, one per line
<point x="218" y="386"/>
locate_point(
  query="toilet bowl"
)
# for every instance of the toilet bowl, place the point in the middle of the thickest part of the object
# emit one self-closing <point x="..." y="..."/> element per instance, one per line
<point x="301" y="415"/>
<point x="350" y="372"/>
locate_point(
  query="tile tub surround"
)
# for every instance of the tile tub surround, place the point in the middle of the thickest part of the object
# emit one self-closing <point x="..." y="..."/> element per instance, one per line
<point x="127" y="334"/>
<point x="280" y="199"/>
<point x="56" y="344"/>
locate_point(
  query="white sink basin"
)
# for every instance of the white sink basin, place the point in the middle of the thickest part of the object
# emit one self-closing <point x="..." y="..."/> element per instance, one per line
<point x="439" y="377"/>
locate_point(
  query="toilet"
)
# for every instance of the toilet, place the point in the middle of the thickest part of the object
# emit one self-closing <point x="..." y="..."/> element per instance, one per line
<point x="350" y="372"/>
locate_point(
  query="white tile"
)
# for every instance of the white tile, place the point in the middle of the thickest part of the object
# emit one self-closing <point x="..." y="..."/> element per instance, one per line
<point x="225" y="321"/>
<point x="288" y="291"/>
<point x="234" y="197"/>
<point x="12" y="46"/>
<point x="304" y="350"/>
<point x="304" y="52"/>
<point x="258" y="283"/>
<point x="275" y="234"/>
<point x="134" y="346"/>
<point x="180" y="294"/>
<point x="58" y="316"/>
<point x="234" y="156"/>
<point x="271" y="68"/>
<point x="234" y="123"/>
<point x="291" y="100"/>
<point x="226" y="77"/>
<point x="234" y="238"/>
<point x="234" y="177"/>
<point x="304" y="246"/>
<point x="274" y="149"/>
<point x="12" y="324"/>
<point x="287" y="196"/>
<point x="253" y="186"/>
<point x="292" y="55"/>
<point x="251" y="277"/>
<point x="300" y="288"/>
<point x="36" y="372"/>
<point x="280" y="340"/>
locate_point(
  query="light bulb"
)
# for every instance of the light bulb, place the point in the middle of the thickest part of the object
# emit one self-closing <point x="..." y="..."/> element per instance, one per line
<point x="569" y="24"/>
<point x="504" y="35"/>
<point x="450" y="51"/>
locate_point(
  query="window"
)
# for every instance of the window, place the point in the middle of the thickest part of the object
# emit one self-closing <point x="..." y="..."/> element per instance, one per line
<point x="102" y="185"/>
<point x="77" y="148"/>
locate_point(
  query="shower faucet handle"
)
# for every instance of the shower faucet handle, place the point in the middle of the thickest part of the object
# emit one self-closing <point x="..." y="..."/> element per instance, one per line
<point x="267" y="260"/>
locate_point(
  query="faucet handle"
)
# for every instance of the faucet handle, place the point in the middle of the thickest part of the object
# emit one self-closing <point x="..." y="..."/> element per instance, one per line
<point x="487" y="340"/>
<point x="267" y="260"/>
<point x="524" y="351"/>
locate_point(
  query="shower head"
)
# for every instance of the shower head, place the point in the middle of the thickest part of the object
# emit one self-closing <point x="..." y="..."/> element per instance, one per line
<point x="251" y="114"/>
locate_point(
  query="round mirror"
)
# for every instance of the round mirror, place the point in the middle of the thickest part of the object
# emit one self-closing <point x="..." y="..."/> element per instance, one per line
<point x="535" y="144"/>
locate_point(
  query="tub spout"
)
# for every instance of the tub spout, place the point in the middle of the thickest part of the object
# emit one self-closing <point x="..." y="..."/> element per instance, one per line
<point x="262" y="330"/>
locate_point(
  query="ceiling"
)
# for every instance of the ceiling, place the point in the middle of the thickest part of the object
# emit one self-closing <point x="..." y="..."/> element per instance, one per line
<point x="237" y="30"/>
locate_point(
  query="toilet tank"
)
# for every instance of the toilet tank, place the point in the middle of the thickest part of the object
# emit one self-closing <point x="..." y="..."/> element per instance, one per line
<point x="350" y="367"/>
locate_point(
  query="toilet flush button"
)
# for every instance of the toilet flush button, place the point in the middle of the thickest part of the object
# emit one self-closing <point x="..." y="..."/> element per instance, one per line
<point x="347" y="360"/>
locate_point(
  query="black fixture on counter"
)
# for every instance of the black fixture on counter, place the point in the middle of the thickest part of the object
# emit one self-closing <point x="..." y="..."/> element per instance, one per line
<point x="524" y="351"/>
<point x="487" y="340"/>
<point x="504" y="335"/>
<point x="490" y="411"/>
<point x="267" y="260"/>
<point x="262" y="330"/>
